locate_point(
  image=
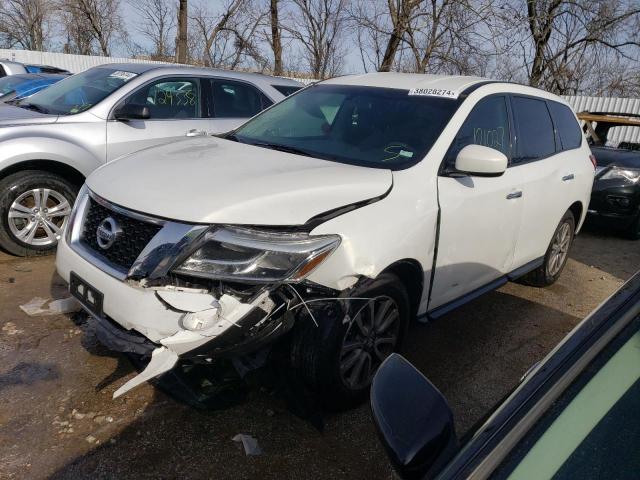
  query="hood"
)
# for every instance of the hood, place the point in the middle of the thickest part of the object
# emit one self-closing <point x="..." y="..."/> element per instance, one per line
<point x="13" y="116"/>
<point x="606" y="156"/>
<point x="210" y="180"/>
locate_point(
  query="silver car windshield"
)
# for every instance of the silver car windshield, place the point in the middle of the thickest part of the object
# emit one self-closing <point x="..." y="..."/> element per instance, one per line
<point x="369" y="126"/>
<point x="78" y="92"/>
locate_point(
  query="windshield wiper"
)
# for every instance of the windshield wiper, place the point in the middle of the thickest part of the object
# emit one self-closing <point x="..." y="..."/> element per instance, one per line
<point x="33" y="106"/>
<point x="282" y="148"/>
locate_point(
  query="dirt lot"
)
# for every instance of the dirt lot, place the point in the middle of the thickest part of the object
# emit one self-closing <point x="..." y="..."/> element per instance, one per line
<point x="57" y="418"/>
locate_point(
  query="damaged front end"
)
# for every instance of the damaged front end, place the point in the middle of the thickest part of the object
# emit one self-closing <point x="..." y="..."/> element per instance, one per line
<point x="182" y="292"/>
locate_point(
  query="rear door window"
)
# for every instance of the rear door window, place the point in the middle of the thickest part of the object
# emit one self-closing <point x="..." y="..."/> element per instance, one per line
<point x="486" y="125"/>
<point x="535" y="138"/>
<point x="566" y="126"/>
<point x="236" y="99"/>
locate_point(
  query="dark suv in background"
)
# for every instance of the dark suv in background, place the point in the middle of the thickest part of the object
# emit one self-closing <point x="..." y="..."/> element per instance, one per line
<point x="615" y="198"/>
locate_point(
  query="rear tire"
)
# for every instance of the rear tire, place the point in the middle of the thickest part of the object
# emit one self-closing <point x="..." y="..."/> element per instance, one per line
<point x="556" y="256"/>
<point x="34" y="208"/>
<point x="337" y="358"/>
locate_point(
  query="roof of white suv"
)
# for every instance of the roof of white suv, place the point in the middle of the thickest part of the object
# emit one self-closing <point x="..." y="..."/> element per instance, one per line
<point x="409" y="81"/>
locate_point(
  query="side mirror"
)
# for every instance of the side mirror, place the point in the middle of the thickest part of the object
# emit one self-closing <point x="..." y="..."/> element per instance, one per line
<point x="481" y="161"/>
<point x="413" y="419"/>
<point x="132" y="112"/>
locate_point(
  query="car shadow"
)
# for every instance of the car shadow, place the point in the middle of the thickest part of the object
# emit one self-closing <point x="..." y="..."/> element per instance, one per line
<point x="474" y="355"/>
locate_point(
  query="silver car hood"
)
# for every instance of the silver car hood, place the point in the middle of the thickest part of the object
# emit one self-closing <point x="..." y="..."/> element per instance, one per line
<point x="13" y="116"/>
<point x="209" y="180"/>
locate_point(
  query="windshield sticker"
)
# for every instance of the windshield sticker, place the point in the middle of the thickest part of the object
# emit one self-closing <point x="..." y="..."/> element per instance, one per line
<point x="404" y="153"/>
<point x="122" y="75"/>
<point x="434" y="92"/>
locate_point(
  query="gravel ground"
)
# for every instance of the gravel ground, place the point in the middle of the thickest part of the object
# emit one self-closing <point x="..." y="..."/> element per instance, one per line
<point x="57" y="418"/>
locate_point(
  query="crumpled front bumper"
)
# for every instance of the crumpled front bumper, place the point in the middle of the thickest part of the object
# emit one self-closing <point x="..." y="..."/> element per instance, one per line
<point x="147" y="320"/>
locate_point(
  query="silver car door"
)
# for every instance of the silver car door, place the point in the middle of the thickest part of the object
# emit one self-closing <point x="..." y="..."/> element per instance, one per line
<point x="175" y="111"/>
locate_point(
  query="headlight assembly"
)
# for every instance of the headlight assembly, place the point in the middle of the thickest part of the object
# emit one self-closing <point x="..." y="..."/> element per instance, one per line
<point x="251" y="255"/>
<point x="627" y="174"/>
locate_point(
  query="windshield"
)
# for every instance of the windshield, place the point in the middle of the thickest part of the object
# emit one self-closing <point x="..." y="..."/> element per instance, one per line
<point x="593" y="430"/>
<point x="373" y="127"/>
<point x="78" y="93"/>
<point x="9" y="84"/>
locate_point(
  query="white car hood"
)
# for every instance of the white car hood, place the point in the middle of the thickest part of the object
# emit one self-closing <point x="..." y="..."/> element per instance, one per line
<point x="209" y="180"/>
<point x="13" y="116"/>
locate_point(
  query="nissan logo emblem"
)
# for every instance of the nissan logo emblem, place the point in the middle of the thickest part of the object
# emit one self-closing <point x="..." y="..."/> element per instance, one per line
<point x="107" y="233"/>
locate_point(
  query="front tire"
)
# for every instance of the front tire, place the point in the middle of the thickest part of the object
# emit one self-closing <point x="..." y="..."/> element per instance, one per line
<point x="34" y="208"/>
<point x="556" y="256"/>
<point x="337" y="358"/>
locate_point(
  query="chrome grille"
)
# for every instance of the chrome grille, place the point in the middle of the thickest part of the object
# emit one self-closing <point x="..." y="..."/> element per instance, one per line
<point x="136" y="235"/>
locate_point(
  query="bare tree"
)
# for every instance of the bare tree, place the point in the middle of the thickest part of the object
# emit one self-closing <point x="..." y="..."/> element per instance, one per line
<point x="157" y="21"/>
<point x="182" y="35"/>
<point x="228" y="35"/>
<point x="276" y="37"/>
<point x="317" y="26"/>
<point x="97" y="20"/>
<point x="566" y="40"/>
<point x="25" y="23"/>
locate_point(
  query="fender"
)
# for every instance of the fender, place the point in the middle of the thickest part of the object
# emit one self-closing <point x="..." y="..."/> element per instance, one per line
<point x="24" y="149"/>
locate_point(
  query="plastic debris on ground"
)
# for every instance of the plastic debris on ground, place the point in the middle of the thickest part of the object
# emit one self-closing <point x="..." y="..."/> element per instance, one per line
<point x="249" y="443"/>
<point x="36" y="306"/>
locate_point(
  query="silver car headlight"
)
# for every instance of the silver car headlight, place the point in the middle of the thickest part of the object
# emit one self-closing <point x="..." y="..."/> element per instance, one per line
<point x="626" y="174"/>
<point x="252" y="255"/>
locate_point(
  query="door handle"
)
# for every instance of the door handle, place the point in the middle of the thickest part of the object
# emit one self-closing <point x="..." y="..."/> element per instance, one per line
<point x="195" y="133"/>
<point x="512" y="195"/>
<point x="566" y="178"/>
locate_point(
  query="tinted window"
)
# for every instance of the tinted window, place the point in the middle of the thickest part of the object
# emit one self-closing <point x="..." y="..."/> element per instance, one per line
<point x="487" y="125"/>
<point x="235" y="99"/>
<point x="374" y="127"/>
<point x="566" y="126"/>
<point x="169" y="98"/>
<point x="535" y="137"/>
<point x="286" y="90"/>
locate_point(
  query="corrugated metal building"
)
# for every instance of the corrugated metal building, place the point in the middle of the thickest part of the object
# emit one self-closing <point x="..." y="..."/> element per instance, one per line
<point x="610" y="105"/>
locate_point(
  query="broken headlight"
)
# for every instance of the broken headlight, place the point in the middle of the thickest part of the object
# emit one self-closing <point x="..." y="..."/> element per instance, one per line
<point x="631" y="175"/>
<point x="249" y="255"/>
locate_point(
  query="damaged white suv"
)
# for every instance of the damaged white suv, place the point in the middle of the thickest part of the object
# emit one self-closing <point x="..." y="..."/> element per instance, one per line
<point x="330" y="221"/>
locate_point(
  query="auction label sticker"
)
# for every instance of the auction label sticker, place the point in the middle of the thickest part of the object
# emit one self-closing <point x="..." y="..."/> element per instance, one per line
<point x="122" y="75"/>
<point x="434" y="92"/>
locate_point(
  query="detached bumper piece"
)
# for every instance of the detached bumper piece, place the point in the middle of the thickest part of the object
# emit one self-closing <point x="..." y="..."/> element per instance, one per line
<point x="116" y="338"/>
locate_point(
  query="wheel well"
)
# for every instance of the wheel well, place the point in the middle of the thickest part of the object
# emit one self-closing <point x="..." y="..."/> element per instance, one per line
<point x="576" y="209"/>
<point x="51" y="166"/>
<point x="411" y="274"/>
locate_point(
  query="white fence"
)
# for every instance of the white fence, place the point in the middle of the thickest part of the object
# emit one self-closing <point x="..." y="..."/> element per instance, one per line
<point x="73" y="63"/>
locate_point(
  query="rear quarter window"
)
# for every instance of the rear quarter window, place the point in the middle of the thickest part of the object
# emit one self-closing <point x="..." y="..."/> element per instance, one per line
<point x="566" y="126"/>
<point x="535" y="138"/>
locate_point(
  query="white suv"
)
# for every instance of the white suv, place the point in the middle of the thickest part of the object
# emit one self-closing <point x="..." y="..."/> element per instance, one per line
<point x="335" y="217"/>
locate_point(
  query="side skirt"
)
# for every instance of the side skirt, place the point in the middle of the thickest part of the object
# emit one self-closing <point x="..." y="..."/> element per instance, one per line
<point x="466" y="298"/>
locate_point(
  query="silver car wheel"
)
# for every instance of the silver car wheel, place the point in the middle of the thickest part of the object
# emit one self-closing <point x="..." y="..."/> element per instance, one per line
<point x="559" y="249"/>
<point x="38" y="216"/>
<point x="371" y="337"/>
